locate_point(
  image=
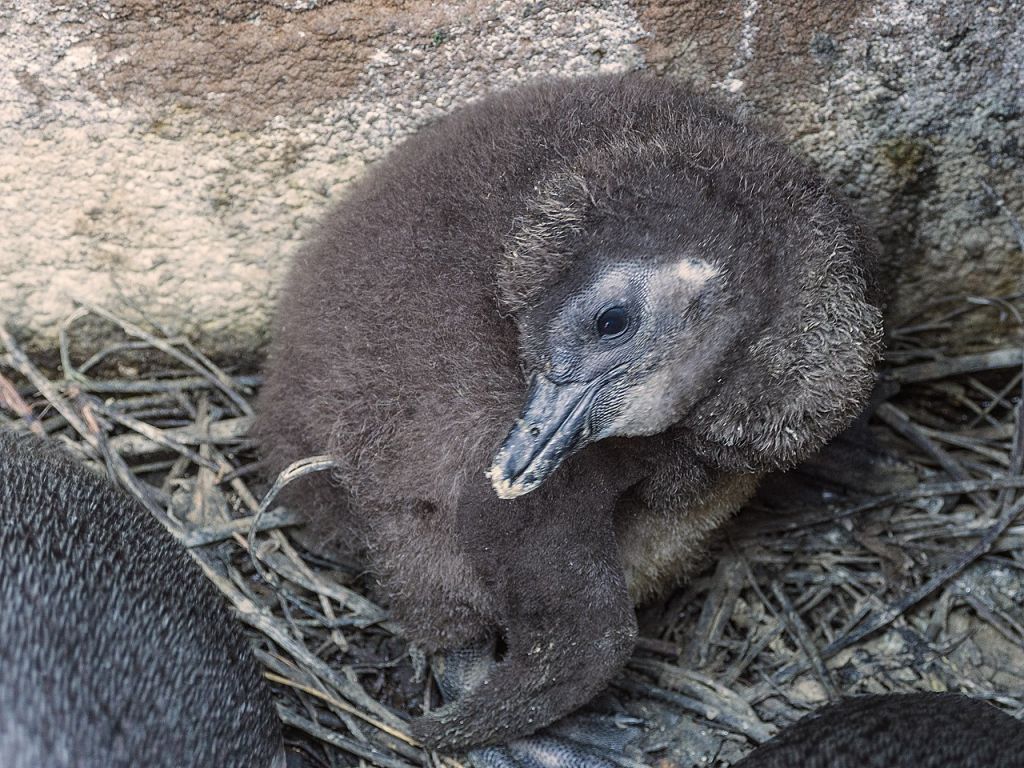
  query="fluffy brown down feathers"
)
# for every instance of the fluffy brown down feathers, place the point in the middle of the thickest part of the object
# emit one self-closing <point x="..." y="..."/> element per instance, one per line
<point x="404" y="338"/>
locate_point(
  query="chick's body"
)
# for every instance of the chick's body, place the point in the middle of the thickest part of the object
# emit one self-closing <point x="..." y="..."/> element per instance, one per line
<point x="412" y="320"/>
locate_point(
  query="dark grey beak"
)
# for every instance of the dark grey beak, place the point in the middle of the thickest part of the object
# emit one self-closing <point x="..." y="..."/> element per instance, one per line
<point x="554" y="424"/>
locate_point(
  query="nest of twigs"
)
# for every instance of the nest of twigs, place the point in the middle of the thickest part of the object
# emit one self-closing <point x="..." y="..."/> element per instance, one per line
<point x="896" y="564"/>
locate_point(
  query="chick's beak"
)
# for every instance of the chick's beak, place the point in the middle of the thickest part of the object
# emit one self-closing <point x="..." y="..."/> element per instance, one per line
<point x="553" y="425"/>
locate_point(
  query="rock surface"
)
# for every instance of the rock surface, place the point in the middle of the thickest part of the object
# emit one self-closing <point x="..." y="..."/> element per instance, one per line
<point x="164" y="159"/>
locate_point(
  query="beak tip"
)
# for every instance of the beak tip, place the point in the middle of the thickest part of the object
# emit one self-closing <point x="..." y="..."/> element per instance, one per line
<point x="553" y="425"/>
<point x="502" y="487"/>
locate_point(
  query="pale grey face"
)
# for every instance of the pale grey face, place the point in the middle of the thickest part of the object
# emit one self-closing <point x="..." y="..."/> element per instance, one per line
<point x="619" y="352"/>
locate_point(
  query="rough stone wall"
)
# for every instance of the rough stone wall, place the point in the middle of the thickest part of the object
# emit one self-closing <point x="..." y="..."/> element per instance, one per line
<point x="167" y="157"/>
<point x="914" y="107"/>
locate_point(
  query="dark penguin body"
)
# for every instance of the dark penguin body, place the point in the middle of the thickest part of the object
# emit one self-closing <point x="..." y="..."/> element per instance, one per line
<point x="921" y="730"/>
<point x="552" y="342"/>
<point x="115" y="651"/>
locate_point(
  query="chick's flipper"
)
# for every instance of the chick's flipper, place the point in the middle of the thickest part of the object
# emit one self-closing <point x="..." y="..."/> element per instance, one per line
<point x="579" y="741"/>
<point x="550" y="566"/>
<point x="537" y="681"/>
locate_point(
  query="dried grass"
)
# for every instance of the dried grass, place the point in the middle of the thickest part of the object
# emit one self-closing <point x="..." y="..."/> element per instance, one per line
<point x="911" y="579"/>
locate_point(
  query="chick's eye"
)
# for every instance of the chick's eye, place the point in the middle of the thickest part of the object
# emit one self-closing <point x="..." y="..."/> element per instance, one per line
<point x="612" y="322"/>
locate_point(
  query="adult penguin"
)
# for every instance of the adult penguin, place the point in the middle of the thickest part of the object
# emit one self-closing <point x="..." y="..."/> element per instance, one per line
<point x="919" y="730"/>
<point x="115" y="651"/>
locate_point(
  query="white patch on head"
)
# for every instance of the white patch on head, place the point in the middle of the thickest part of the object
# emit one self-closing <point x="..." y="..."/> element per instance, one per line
<point x="695" y="272"/>
<point x="675" y="283"/>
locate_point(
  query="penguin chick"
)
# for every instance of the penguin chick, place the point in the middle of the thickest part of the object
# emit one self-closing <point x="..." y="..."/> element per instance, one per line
<point x="921" y="730"/>
<point x="551" y="342"/>
<point x="114" y="649"/>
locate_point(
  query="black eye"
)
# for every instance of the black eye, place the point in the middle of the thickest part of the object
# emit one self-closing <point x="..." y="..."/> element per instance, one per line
<point x="612" y="322"/>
